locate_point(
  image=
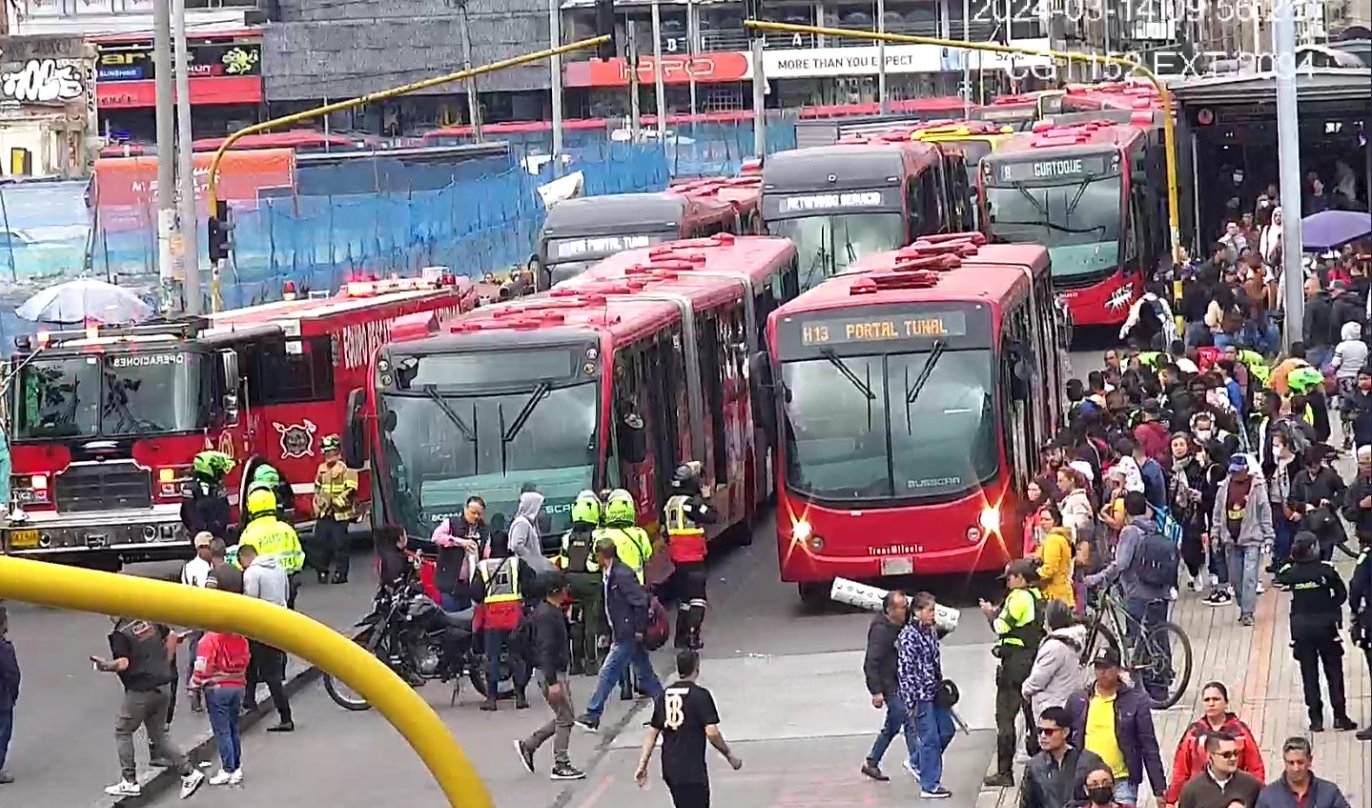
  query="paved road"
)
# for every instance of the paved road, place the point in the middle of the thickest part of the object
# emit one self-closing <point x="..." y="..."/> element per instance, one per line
<point x="63" y="748"/>
<point x="789" y="690"/>
<point x="788" y="685"/>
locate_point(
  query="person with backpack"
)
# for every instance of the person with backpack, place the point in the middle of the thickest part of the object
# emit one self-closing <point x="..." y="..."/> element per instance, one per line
<point x="578" y="561"/>
<point x="1146" y="566"/>
<point x="548" y="652"/>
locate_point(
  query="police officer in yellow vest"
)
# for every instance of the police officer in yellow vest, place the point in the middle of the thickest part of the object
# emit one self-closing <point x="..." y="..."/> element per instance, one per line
<point x="1018" y="624"/>
<point x="621" y="525"/>
<point x="578" y="560"/>
<point x="498" y="586"/>
<point x="272" y="537"/>
<point x="683" y="518"/>
<point x="335" y="495"/>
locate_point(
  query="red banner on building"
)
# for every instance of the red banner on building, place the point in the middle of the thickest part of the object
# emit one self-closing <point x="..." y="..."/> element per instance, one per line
<point x="125" y="189"/>
<point x="705" y="68"/>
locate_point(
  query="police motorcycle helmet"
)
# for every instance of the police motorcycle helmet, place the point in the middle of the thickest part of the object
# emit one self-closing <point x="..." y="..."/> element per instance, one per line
<point x="620" y="509"/>
<point x="586" y="510"/>
<point x="212" y="464"/>
<point x="261" y="502"/>
<point x="686" y="480"/>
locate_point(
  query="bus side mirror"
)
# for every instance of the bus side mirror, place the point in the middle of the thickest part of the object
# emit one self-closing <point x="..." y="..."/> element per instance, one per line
<point x="631" y="440"/>
<point x="354" y="435"/>
<point x="232" y="384"/>
<point x="538" y="274"/>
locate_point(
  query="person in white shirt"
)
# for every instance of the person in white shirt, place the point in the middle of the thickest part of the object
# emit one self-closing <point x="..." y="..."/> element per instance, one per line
<point x="195" y="573"/>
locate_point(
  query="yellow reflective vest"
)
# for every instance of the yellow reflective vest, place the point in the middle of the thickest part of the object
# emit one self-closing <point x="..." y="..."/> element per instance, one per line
<point x="272" y="537"/>
<point x="1019" y="624"/>
<point x="632" y="544"/>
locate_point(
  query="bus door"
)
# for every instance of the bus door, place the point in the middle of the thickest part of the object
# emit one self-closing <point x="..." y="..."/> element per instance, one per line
<point x="649" y="383"/>
<point x="723" y="356"/>
<point x="1022" y="439"/>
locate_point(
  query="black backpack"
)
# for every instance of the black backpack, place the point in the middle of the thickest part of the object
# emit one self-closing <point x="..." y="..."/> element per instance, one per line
<point x="1156" y="559"/>
<point x="580" y="546"/>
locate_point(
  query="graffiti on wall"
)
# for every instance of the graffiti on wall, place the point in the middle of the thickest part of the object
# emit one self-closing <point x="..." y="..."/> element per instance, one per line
<point x="43" y="81"/>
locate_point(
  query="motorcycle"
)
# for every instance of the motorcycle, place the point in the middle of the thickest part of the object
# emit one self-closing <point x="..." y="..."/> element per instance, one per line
<point x="415" y="638"/>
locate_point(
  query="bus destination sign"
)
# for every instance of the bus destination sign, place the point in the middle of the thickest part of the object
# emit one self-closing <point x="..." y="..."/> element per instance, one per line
<point x="1061" y="168"/>
<point x="895" y="327"/>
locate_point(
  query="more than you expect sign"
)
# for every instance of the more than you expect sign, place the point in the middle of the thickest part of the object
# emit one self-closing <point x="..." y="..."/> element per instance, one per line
<point x="865" y="61"/>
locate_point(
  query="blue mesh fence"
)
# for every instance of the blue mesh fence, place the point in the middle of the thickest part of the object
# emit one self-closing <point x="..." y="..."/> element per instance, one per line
<point x="365" y="216"/>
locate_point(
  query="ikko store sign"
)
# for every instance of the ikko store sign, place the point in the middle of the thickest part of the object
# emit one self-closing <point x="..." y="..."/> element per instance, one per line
<point x="705" y="68"/>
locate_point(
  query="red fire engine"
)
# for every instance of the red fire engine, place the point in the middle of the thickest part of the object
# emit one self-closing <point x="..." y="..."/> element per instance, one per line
<point x="609" y="380"/>
<point x="918" y="388"/>
<point x="105" y="421"/>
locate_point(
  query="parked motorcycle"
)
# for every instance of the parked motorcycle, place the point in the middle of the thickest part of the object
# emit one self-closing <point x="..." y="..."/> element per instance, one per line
<point x="420" y="642"/>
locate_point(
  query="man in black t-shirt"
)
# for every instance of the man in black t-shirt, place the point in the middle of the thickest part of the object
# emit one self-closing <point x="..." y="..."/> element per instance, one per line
<point x="686" y="717"/>
<point x="142" y="655"/>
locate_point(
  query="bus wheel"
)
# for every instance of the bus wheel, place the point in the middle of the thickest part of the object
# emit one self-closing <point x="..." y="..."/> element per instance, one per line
<point x="814" y="596"/>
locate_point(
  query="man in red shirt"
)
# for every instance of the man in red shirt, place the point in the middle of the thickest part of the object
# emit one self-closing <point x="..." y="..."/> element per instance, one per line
<point x="221" y="673"/>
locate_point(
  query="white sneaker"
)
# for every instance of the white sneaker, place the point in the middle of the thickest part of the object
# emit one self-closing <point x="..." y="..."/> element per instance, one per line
<point x="191" y="783"/>
<point x="236" y="777"/>
<point x="910" y="770"/>
<point x="124" y="788"/>
<point x="222" y="778"/>
<point x="1261" y="589"/>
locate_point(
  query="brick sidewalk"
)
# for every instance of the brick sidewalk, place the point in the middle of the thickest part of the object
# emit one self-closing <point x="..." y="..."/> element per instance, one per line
<point x="1265" y="690"/>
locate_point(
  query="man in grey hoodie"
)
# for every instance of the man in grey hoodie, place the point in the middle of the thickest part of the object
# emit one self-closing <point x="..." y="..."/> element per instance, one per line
<point x="526" y="541"/>
<point x="265" y="579"/>
<point x="1242" y="518"/>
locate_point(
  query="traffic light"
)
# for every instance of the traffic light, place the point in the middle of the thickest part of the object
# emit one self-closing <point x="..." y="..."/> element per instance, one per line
<point x="605" y="26"/>
<point x="220" y="232"/>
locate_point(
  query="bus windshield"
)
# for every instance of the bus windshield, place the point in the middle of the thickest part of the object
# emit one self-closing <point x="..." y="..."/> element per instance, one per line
<point x="118" y="395"/>
<point x="826" y="245"/>
<point x="868" y="428"/>
<point x="1079" y="223"/>
<point x="439" y="448"/>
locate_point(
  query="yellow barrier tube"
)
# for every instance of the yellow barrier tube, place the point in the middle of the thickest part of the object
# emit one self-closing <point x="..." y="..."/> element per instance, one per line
<point x="125" y="595"/>
<point x="1169" y="130"/>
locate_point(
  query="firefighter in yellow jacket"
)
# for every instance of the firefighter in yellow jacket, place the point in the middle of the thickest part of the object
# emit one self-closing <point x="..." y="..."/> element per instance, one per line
<point x="273" y="538"/>
<point x="335" y="498"/>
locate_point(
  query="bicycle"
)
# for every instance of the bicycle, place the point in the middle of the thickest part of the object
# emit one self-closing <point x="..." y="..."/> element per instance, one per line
<point x="1162" y="672"/>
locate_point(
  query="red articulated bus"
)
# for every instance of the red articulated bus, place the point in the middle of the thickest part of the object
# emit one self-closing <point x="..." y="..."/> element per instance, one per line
<point x="862" y="196"/>
<point x="610" y="380"/>
<point x="743" y="192"/>
<point x="1088" y="192"/>
<point x="106" y="421"/>
<point x="917" y="388"/>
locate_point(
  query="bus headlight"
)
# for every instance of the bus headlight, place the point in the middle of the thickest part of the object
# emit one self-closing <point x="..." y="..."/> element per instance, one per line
<point x="990" y="520"/>
<point x="801" y="531"/>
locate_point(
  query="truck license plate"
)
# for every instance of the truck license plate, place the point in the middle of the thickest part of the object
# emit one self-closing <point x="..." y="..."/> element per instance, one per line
<point x="897" y="566"/>
<point x="23" y="539"/>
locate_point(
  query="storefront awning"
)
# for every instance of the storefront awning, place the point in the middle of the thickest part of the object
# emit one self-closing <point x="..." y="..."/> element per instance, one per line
<point x="1314" y="84"/>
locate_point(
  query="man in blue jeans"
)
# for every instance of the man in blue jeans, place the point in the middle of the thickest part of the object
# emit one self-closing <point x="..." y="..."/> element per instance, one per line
<point x="627" y="613"/>
<point x="879" y="669"/>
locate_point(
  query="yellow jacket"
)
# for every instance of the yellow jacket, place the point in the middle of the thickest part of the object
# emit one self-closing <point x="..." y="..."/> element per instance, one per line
<point x="272" y="537"/>
<point x="1055" y="576"/>
<point x="335" y="489"/>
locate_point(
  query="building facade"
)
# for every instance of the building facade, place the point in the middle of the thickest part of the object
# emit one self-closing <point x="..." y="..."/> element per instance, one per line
<point x="47" y="106"/>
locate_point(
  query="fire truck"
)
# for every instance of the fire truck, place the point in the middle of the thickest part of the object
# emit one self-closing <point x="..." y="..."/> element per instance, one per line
<point x="105" y="421"/>
<point x="861" y="196"/>
<point x="919" y="386"/>
<point x="1087" y="193"/>
<point x="610" y="380"/>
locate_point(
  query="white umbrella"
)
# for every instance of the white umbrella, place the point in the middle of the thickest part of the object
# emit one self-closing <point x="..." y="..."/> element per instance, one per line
<point x="84" y="299"/>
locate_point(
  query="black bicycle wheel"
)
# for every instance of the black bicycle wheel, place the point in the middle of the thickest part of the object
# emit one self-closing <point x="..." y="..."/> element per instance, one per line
<point x="1162" y="664"/>
<point x="1098" y="636"/>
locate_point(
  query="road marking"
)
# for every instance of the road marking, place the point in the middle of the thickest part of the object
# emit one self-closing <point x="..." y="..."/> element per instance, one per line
<point x="592" y="799"/>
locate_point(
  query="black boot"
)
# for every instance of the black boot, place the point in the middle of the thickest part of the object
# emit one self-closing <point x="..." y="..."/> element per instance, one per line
<point x="575" y="667"/>
<point x="340" y="577"/>
<point x="521" y="700"/>
<point x="490" y="705"/>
